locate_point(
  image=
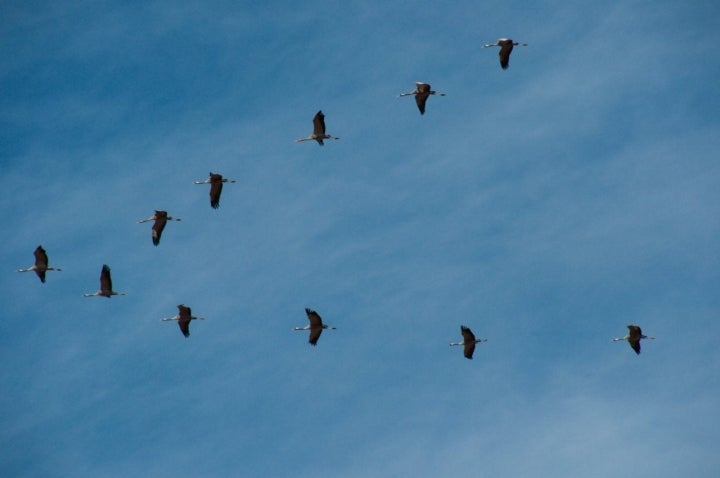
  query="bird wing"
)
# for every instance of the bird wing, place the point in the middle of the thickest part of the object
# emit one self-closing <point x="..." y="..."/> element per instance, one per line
<point x="505" y="50"/>
<point x="469" y="349"/>
<point x="41" y="257"/>
<point x="184" y="325"/>
<point x="158" y="226"/>
<point x="314" y="318"/>
<point x="105" y="279"/>
<point x="216" y="186"/>
<point x="319" y="124"/>
<point x="635" y="344"/>
<point x="41" y="263"/>
<point x="635" y="332"/>
<point x="421" y="99"/>
<point x="184" y="317"/>
<point x="467" y="334"/>
<point x="315" y="332"/>
<point x="422" y="87"/>
<point x="469" y="340"/>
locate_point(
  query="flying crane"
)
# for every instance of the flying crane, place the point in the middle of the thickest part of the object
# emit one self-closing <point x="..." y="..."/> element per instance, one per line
<point x="506" y="47"/>
<point x="160" y="218"/>
<point x="106" y="288"/>
<point x="422" y="91"/>
<point x="216" y="184"/>
<point x="318" y="130"/>
<point x="315" y="326"/>
<point x="468" y="341"/>
<point x="41" y="264"/>
<point x="183" y="317"/>
<point x="633" y="337"/>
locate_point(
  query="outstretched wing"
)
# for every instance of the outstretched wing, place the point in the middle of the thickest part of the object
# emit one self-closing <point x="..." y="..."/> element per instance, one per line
<point x="319" y="124"/>
<point x="314" y="318"/>
<point x="505" y="49"/>
<point x="158" y="226"/>
<point x="316" y="326"/>
<point x="319" y="128"/>
<point x="184" y="317"/>
<point x="314" y="335"/>
<point x="422" y="92"/>
<point x="184" y="327"/>
<point x="469" y="350"/>
<point x="216" y="185"/>
<point x="41" y="262"/>
<point x="635" y="332"/>
<point x="421" y="99"/>
<point x="105" y="279"/>
<point x="41" y="257"/>
<point x="467" y="334"/>
<point x="469" y="340"/>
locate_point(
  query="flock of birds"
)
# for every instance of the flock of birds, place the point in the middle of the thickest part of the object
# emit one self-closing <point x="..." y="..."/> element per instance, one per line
<point x="184" y="316"/>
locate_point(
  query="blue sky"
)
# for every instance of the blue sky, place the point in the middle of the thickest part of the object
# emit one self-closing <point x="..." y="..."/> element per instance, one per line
<point x="546" y="207"/>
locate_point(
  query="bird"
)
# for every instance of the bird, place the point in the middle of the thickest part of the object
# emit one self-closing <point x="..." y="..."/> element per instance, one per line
<point x="41" y="264"/>
<point x="106" y="288"/>
<point x="184" y="316"/>
<point x="633" y="337"/>
<point x="421" y="92"/>
<point x="160" y="218"/>
<point x="468" y="341"/>
<point x="506" y="46"/>
<point x="216" y="184"/>
<point x="315" y="326"/>
<point x="318" y="130"/>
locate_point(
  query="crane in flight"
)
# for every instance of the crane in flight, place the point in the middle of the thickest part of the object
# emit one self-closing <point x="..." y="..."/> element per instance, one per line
<point x="468" y="341"/>
<point x="506" y="47"/>
<point x="315" y="326"/>
<point x="633" y="337"/>
<point x="422" y="91"/>
<point x="161" y="218"/>
<point x="106" y="288"/>
<point x="183" y="317"/>
<point x="41" y="264"/>
<point x="318" y="130"/>
<point x="216" y="184"/>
